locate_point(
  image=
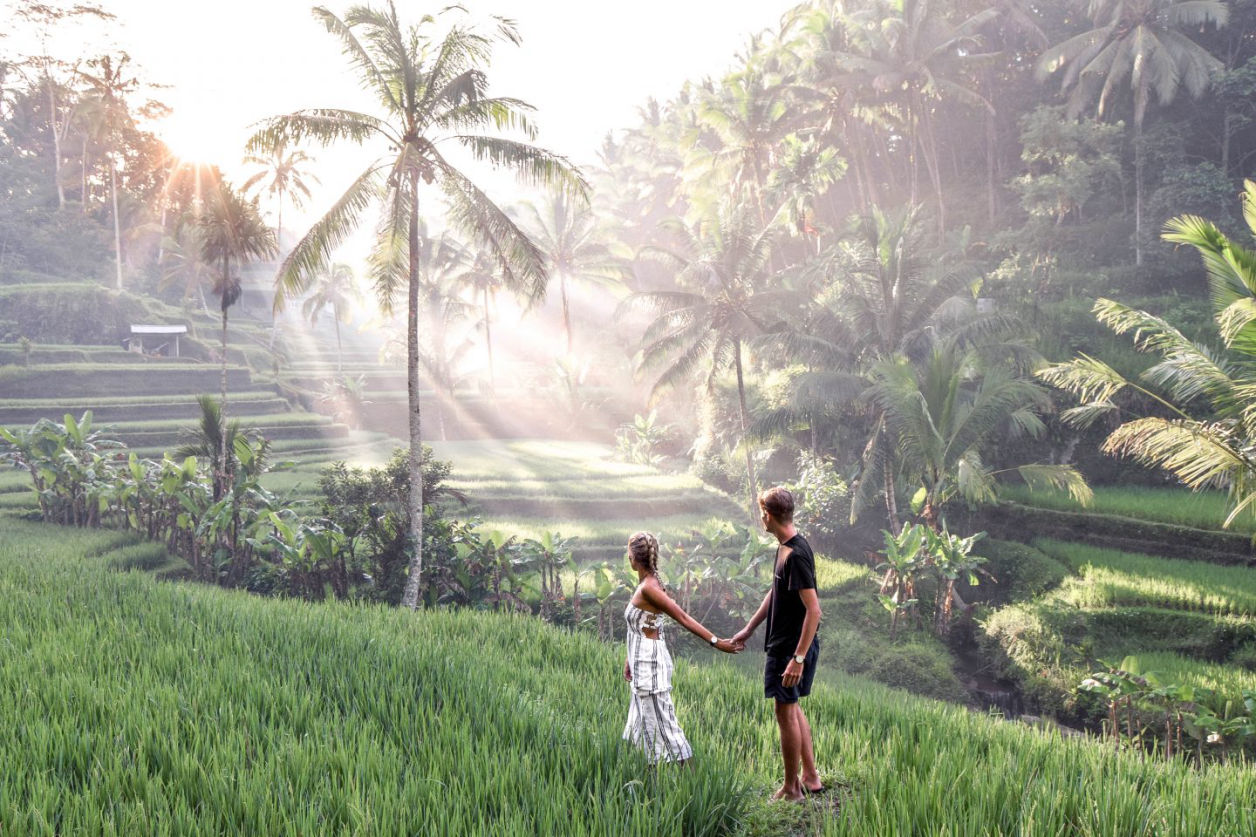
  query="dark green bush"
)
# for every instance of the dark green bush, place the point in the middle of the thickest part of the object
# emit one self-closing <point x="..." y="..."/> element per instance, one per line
<point x="1020" y="572"/>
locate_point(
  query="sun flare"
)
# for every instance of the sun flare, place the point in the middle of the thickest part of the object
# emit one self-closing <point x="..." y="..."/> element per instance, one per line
<point x="198" y="140"/>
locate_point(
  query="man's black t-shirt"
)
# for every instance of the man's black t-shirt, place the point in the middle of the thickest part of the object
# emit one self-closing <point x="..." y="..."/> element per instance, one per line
<point x="786" y="611"/>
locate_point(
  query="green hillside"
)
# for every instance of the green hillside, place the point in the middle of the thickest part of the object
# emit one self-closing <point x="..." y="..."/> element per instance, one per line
<point x="217" y="712"/>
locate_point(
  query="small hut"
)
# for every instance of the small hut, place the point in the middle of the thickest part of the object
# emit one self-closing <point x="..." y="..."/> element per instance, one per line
<point x="159" y="337"/>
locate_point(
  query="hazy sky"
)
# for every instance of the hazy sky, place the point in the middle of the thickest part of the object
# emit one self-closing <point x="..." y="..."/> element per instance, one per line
<point x="585" y="64"/>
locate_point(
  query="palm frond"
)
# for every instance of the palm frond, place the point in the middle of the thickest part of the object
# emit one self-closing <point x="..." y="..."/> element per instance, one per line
<point x="323" y="126"/>
<point x="1200" y="454"/>
<point x="1088" y="378"/>
<point x="535" y="166"/>
<point x="521" y="262"/>
<point x="313" y="252"/>
<point x="1065" y="478"/>
<point x="356" y="53"/>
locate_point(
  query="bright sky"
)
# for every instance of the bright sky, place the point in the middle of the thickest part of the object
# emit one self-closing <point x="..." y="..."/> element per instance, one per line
<point x="586" y="65"/>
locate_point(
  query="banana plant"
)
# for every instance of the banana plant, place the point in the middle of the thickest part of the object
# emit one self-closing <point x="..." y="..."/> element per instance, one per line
<point x="906" y="557"/>
<point x="951" y="559"/>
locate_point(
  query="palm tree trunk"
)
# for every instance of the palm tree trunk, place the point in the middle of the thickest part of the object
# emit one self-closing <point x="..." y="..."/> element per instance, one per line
<point x="223" y="394"/>
<point x="992" y="150"/>
<point x="83" y="174"/>
<point x="488" y="342"/>
<point x="410" y="597"/>
<point x="117" y="222"/>
<point x="274" y="319"/>
<point x="1138" y="193"/>
<point x="56" y="139"/>
<point x="562" y="289"/>
<point x="1227" y="129"/>
<point x="745" y="424"/>
<point x="340" y="360"/>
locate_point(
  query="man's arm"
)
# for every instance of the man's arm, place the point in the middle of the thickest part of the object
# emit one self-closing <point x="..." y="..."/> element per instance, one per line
<point x="745" y="633"/>
<point x="810" y="624"/>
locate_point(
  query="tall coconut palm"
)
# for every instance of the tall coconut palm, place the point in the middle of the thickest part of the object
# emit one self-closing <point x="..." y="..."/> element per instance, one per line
<point x="567" y="233"/>
<point x="183" y="261"/>
<point x="1204" y="432"/>
<point x="724" y="300"/>
<point x="428" y="89"/>
<point x="748" y="115"/>
<point x="874" y="296"/>
<point x="483" y="282"/>
<point x="107" y="114"/>
<point x="233" y="233"/>
<point x="334" y="288"/>
<point x="947" y="409"/>
<point x="1143" y="43"/>
<point x="281" y="172"/>
<point x="914" y="57"/>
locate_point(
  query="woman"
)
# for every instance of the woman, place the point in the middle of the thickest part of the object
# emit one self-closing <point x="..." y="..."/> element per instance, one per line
<point x="652" y="721"/>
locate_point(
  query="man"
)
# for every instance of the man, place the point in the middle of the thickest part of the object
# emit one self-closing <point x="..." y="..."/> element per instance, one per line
<point x="792" y="610"/>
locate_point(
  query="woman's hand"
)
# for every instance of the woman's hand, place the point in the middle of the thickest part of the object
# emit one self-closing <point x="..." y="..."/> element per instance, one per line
<point x="728" y="646"/>
<point x="627" y="672"/>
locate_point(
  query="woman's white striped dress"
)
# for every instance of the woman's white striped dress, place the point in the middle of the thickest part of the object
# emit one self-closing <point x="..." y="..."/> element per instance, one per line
<point x="652" y="723"/>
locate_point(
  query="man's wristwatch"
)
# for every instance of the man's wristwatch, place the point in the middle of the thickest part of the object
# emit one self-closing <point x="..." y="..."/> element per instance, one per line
<point x="714" y="641"/>
<point x="800" y="658"/>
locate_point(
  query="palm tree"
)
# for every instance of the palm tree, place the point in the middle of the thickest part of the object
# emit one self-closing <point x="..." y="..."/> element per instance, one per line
<point x="281" y="172"/>
<point x="483" y="280"/>
<point x="429" y="89"/>
<point x="337" y="289"/>
<point x="567" y="233"/>
<point x="1205" y="430"/>
<point x="233" y="233"/>
<point x="183" y="261"/>
<point x="748" y="116"/>
<point x="107" y="114"/>
<point x="915" y="59"/>
<point x="945" y="410"/>
<point x="1142" y="42"/>
<point x="721" y="265"/>
<point x="871" y="296"/>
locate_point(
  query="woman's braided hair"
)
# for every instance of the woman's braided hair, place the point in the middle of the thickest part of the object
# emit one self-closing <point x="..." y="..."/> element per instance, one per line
<point x="644" y="549"/>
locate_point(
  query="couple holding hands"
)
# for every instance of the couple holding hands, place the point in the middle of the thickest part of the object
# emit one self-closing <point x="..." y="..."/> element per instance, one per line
<point x="792" y="611"/>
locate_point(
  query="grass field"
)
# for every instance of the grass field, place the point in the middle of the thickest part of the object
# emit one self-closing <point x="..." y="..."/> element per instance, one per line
<point x="1181" y="506"/>
<point x="1191" y="622"/>
<point x="217" y="712"/>
<point x="529" y="487"/>
<point x="1110" y="578"/>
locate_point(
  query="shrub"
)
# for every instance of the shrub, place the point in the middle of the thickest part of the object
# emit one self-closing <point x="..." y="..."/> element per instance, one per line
<point x="1017" y="572"/>
<point x="921" y="667"/>
<point x="823" y="500"/>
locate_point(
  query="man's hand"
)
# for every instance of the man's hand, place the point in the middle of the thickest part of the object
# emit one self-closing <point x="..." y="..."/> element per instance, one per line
<point x="728" y="646"/>
<point x="740" y="637"/>
<point x="627" y="672"/>
<point x="793" y="674"/>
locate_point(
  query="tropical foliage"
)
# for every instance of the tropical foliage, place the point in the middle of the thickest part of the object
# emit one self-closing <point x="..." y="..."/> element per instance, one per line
<point x="1197" y="421"/>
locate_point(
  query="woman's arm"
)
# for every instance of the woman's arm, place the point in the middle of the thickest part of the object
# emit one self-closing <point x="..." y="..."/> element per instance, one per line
<point x="658" y="598"/>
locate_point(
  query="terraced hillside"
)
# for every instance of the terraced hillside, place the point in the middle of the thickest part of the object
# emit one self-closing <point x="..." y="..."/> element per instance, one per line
<point x="148" y="402"/>
<point x="1180" y="611"/>
<point x="531" y="486"/>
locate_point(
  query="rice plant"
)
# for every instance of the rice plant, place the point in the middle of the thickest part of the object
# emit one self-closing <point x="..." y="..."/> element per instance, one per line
<point x="138" y="707"/>
<point x="1110" y="578"/>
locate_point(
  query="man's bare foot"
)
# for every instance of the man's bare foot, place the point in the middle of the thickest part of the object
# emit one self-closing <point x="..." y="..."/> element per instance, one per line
<point x="785" y="794"/>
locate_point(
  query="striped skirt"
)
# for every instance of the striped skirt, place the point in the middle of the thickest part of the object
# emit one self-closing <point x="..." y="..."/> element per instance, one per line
<point x="653" y="727"/>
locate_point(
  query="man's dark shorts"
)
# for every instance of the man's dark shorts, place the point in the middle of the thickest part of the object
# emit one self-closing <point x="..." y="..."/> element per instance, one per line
<point x="774" y="689"/>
